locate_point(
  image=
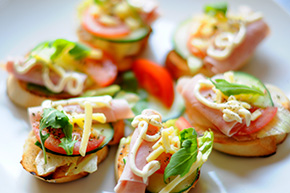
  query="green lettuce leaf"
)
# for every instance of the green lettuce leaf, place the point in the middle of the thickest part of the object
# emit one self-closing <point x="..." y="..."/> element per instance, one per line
<point x="181" y="162"/>
<point x="205" y="144"/>
<point x="214" y="8"/>
<point x="228" y="88"/>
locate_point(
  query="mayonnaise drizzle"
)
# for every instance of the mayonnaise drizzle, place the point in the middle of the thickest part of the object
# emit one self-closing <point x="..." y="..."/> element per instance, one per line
<point x="225" y="42"/>
<point x="150" y="167"/>
<point x="72" y="81"/>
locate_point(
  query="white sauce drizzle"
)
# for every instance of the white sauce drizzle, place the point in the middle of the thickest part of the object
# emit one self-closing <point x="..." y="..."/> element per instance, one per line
<point x="142" y="122"/>
<point x="72" y="81"/>
<point x="225" y="42"/>
<point x="233" y="110"/>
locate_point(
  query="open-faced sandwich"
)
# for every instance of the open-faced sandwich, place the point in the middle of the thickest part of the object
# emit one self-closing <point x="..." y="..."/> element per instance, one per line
<point x="160" y="157"/>
<point x="69" y="137"/>
<point x="247" y="117"/>
<point x="120" y="27"/>
<point x="216" y="41"/>
<point x="58" y="69"/>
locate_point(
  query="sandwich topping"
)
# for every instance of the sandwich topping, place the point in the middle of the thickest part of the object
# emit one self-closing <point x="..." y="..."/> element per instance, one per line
<point x="236" y="104"/>
<point x="232" y="108"/>
<point x="64" y="66"/>
<point x="77" y="127"/>
<point x="184" y="152"/>
<point x="218" y="33"/>
<point x="116" y="19"/>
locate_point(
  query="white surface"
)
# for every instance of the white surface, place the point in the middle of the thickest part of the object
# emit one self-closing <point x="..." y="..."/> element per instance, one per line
<point x="25" y="23"/>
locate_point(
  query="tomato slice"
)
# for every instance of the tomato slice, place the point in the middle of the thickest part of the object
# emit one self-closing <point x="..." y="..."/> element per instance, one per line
<point x="181" y="123"/>
<point x="52" y="142"/>
<point x="102" y="72"/>
<point x="155" y="79"/>
<point x="93" y="26"/>
<point x="267" y="115"/>
<point x="200" y="53"/>
<point x="163" y="159"/>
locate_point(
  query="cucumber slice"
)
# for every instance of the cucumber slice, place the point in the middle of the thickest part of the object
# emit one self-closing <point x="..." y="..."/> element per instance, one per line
<point x="175" y="111"/>
<point x="134" y="36"/>
<point x="156" y="183"/>
<point x="181" y="37"/>
<point x="249" y="80"/>
<point x="106" y="130"/>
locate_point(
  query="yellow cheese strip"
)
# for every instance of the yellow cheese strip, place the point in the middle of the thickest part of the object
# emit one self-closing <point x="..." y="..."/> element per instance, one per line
<point x="87" y="128"/>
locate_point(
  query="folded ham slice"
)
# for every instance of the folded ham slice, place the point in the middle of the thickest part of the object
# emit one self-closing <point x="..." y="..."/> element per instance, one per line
<point x="200" y="114"/>
<point x="129" y="182"/>
<point x="118" y="110"/>
<point x="34" y="75"/>
<point x="255" y="33"/>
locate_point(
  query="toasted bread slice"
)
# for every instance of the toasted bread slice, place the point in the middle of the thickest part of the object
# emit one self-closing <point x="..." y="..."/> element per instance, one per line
<point x="19" y="94"/>
<point x="250" y="146"/>
<point x="59" y="175"/>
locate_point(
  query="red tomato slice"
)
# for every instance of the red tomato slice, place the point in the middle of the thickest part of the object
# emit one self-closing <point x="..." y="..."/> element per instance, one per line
<point x="91" y="24"/>
<point x="52" y="142"/>
<point x="181" y="123"/>
<point x="267" y="115"/>
<point x="163" y="159"/>
<point x="103" y="72"/>
<point x="194" y="50"/>
<point x="155" y="79"/>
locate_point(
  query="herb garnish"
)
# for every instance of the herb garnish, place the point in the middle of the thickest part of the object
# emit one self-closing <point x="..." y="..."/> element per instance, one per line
<point x="215" y="8"/>
<point x="181" y="162"/>
<point x="56" y="119"/>
<point x="228" y="88"/>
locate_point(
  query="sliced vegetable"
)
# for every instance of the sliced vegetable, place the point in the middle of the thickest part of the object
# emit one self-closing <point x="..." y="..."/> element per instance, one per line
<point x="92" y="25"/>
<point x="102" y="72"/>
<point x="267" y="115"/>
<point x="251" y="81"/>
<point x="52" y="118"/>
<point x="156" y="183"/>
<point x="181" y="37"/>
<point x="181" y="123"/>
<point x="109" y="90"/>
<point x="52" y="143"/>
<point x="155" y="79"/>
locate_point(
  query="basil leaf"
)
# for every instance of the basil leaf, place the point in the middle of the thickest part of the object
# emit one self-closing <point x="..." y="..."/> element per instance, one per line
<point x="56" y="120"/>
<point x="79" y="51"/>
<point x="68" y="145"/>
<point x="181" y="162"/>
<point x="235" y="89"/>
<point x="214" y="8"/>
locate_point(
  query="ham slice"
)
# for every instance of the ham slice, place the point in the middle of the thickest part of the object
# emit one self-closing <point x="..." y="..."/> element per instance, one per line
<point x="118" y="110"/>
<point x="129" y="182"/>
<point x="201" y="114"/>
<point x="34" y="75"/>
<point x="256" y="32"/>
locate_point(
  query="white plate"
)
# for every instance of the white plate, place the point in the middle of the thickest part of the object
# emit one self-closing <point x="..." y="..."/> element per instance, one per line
<point x="25" y="23"/>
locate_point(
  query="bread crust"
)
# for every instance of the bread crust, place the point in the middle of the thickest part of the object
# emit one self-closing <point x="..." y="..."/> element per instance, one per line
<point x="177" y="66"/>
<point x="31" y="151"/>
<point x="250" y="146"/>
<point x="123" y="53"/>
<point x="19" y="94"/>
